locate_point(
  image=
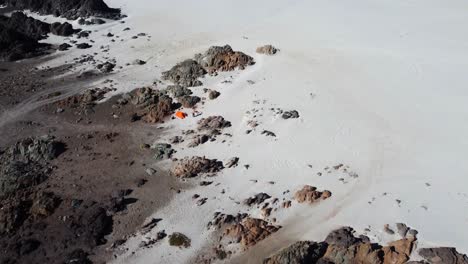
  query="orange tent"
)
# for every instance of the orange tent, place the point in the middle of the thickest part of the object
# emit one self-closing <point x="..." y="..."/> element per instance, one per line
<point x="180" y="114"/>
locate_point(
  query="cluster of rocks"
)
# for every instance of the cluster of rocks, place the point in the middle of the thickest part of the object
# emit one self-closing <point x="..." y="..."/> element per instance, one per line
<point x="192" y="167"/>
<point x="20" y="35"/>
<point x="185" y="73"/>
<point x="153" y="105"/>
<point x="342" y="246"/>
<point x="309" y="194"/>
<point x="66" y="8"/>
<point x="216" y="58"/>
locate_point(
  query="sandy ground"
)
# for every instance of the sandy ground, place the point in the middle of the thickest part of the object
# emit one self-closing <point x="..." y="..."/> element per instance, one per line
<point x="103" y="156"/>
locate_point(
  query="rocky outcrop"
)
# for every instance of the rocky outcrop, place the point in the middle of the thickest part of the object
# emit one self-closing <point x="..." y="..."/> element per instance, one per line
<point x="223" y="58"/>
<point x="162" y="151"/>
<point x="87" y="98"/>
<point x="213" y="123"/>
<point x="341" y="246"/>
<point x="25" y="164"/>
<point x="309" y="194"/>
<point x="443" y="255"/>
<point x="185" y="73"/>
<point x="192" y="167"/>
<point x="154" y="105"/>
<point x="28" y="26"/>
<point x="302" y="252"/>
<point x="290" y="114"/>
<point x="19" y="36"/>
<point x="188" y="101"/>
<point x="256" y="199"/>
<point x="71" y="9"/>
<point x="215" y="59"/>
<point x="16" y="46"/>
<point x="179" y="240"/>
<point x="250" y="231"/>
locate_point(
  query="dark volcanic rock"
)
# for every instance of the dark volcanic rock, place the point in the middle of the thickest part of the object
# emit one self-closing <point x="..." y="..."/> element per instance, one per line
<point x="342" y="237"/>
<point x="189" y="101"/>
<point x="83" y="46"/>
<point x="64" y="46"/>
<point x="257" y="199"/>
<point x="443" y="255"/>
<point x="223" y="58"/>
<point x="185" y="73"/>
<point x="192" y="167"/>
<point x="24" y="164"/>
<point x="59" y="29"/>
<point x="28" y="26"/>
<point x="155" y="105"/>
<point x="16" y="46"/>
<point x="178" y="91"/>
<point x="302" y="252"/>
<point x="213" y="123"/>
<point x="17" y="175"/>
<point x="71" y="9"/>
<point x="290" y="114"/>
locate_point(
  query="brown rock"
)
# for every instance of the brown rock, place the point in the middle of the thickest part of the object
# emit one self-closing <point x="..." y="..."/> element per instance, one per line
<point x="267" y="50"/>
<point x="250" y="231"/>
<point x="224" y="58"/>
<point x="310" y="195"/>
<point x="192" y="167"/>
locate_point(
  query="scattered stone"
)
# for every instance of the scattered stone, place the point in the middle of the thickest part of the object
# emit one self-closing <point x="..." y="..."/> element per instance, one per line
<point x="213" y="94"/>
<point x="64" y="46"/>
<point x="139" y="62"/>
<point x="205" y="183"/>
<point x="202" y="201"/>
<point x="268" y="133"/>
<point x="388" y="230"/>
<point x="146" y="228"/>
<point x="257" y="199"/>
<point x="83" y="46"/>
<point x="162" y="151"/>
<point x="179" y="240"/>
<point x="192" y="167"/>
<point x="310" y="195"/>
<point x="290" y="114"/>
<point x="267" y="50"/>
<point x="213" y="123"/>
<point x="106" y="67"/>
<point x="232" y="162"/>
<point x="198" y="140"/>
